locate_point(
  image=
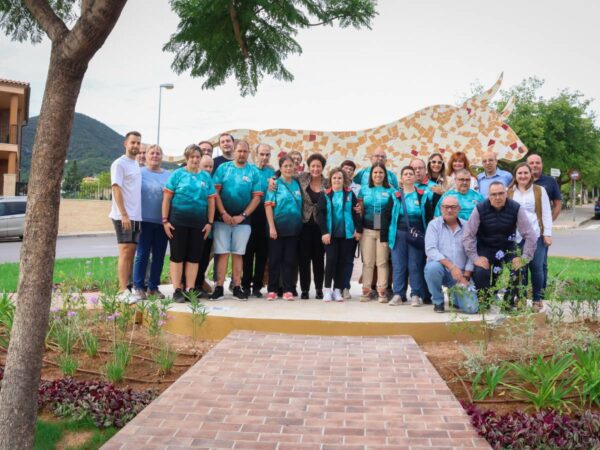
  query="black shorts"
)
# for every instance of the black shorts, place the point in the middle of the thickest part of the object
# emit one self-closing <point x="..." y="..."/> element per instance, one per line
<point x="130" y="236"/>
<point x="187" y="244"/>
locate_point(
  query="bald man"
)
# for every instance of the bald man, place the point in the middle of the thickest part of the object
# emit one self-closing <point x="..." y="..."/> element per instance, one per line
<point x="378" y="156"/>
<point x="491" y="173"/>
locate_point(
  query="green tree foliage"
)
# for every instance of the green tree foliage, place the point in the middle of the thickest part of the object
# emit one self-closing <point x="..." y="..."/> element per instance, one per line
<point x="248" y="39"/>
<point x="72" y="179"/>
<point x="561" y="129"/>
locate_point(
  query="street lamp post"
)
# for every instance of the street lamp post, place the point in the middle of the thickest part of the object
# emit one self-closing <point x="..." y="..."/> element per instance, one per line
<point x="160" y="88"/>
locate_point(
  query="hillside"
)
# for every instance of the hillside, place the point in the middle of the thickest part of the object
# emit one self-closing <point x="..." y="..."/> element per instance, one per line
<point x="93" y="144"/>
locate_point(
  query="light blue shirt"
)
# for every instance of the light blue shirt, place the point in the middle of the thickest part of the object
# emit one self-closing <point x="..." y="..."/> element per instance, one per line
<point x="443" y="243"/>
<point x="153" y="184"/>
<point x="467" y="202"/>
<point x="484" y="181"/>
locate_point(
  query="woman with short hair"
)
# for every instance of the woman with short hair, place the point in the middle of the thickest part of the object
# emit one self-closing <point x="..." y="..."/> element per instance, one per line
<point x="283" y="208"/>
<point x="188" y="212"/>
<point x="312" y="252"/>
<point x="407" y="212"/>
<point x="153" y="240"/>
<point x="340" y="227"/>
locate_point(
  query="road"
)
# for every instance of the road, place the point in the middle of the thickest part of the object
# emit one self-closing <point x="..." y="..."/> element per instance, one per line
<point x="583" y="242"/>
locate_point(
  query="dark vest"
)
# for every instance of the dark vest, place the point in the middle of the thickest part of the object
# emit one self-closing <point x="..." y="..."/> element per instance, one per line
<point x="497" y="228"/>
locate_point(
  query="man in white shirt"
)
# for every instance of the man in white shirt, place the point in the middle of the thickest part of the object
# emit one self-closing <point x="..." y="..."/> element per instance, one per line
<point x="126" y="210"/>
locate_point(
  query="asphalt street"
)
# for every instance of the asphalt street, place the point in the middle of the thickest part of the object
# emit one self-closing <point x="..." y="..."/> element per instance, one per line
<point x="582" y="242"/>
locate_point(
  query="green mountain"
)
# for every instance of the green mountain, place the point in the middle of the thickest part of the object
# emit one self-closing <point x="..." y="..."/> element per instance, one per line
<point x="93" y="144"/>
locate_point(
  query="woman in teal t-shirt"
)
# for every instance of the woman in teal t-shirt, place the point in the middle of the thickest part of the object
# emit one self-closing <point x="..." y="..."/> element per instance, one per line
<point x="283" y="208"/>
<point x="405" y="256"/>
<point x="340" y="227"/>
<point x="374" y="197"/>
<point x="188" y="212"/>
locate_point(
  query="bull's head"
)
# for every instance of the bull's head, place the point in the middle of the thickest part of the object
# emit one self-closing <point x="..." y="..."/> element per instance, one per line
<point x="488" y="127"/>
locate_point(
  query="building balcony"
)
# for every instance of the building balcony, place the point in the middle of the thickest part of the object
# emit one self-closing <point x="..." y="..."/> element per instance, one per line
<point x="9" y="148"/>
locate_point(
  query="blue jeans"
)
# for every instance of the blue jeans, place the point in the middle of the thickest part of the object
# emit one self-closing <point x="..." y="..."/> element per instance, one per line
<point x="536" y="268"/>
<point x="406" y="258"/>
<point x="152" y="240"/>
<point x="437" y="276"/>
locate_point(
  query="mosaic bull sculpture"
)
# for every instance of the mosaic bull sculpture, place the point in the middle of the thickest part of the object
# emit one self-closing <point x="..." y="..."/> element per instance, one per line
<point x="473" y="127"/>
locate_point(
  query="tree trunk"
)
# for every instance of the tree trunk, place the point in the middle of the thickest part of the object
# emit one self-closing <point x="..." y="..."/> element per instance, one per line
<point x="24" y="361"/>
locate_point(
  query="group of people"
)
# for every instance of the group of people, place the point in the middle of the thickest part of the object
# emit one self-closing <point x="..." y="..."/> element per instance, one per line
<point x="436" y="224"/>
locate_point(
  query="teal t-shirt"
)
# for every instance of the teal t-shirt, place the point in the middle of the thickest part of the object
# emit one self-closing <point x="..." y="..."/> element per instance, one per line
<point x="265" y="174"/>
<point x="467" y="202"/>
<point x="191" y="191"/>
<point x="236" y="186"/>
<point x="338" y="225"/>
<point x="362" y="177"/>
<point x="374" y="200"/>
<point x="415" y="207"/>
<point x="286" y="201"/>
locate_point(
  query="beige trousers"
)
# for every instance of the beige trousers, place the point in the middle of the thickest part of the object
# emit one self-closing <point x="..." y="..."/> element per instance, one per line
<point x="374" y="253"/>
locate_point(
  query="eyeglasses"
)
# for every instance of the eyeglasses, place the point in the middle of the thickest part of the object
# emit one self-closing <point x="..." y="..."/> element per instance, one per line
<point x="436" y="162"/>
<point x="463" y="180"/>
<point x="498" y="194"/>
<point x="450" y="207"/>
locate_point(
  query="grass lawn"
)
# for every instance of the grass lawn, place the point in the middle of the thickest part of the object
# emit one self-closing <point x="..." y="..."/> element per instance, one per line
<point x="77" y="434"/>
<point x="99" y="273"/>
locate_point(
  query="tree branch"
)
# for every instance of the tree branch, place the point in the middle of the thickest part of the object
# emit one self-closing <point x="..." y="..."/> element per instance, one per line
<point x="96" y="22"/>
<point x="236" y="30"/>
<point x="325" y="22"/>
<point x="52" y="25"/>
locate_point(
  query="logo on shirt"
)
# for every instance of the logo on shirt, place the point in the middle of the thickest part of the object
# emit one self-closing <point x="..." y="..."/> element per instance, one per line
<point x="298" y="194"/>
<point x="245" y="179"/>
<point x="202" y="184"/>
<point x="417" y="202"/>
<point x="385" y="194"/>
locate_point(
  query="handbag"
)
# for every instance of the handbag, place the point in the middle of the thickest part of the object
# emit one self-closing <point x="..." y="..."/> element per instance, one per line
<point x="414" y="236"/>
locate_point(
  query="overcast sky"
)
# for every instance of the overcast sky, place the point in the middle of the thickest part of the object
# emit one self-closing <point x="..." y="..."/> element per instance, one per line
<point x="418" y="53"/>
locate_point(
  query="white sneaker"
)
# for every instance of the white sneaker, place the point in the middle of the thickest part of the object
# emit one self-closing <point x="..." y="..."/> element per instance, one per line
<point x="346" y="294"/>
<point x="138" y="295"/>
<point x="415" y="300"/>
<point x="327" y="296"/>
<point x="127" y="297"/>
<point x="395" y="301"/>
<point x="337" y="296"/>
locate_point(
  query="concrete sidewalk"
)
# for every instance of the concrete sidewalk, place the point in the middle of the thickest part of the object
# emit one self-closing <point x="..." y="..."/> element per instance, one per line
<point x="582" y="215"/>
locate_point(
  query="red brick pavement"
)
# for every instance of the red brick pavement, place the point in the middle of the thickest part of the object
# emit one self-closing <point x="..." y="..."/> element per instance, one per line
<point x="290" y="392"/>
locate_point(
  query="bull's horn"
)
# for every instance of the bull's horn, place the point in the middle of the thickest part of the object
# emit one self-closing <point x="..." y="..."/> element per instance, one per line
<point x="486" y="96"/>
<point x="510" y="105"/>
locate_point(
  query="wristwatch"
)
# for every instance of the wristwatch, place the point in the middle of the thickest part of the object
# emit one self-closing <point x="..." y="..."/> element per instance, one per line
<point x="244" y="215"/>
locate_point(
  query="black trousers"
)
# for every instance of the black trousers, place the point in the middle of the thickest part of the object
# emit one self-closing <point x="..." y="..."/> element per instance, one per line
<point x="204" y="262"/>
<point x="255" y="258"/>
<point x="282" y="263"/>
<point x="311" y="251"/>
<point x="485" y="279"/>
<point x="339" y="254"/>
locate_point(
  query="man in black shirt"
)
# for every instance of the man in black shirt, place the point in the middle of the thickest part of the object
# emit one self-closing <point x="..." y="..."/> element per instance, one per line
<point x="549" y="183"/>
<point x="226" y="142"/>
<point x="552" y="189"/>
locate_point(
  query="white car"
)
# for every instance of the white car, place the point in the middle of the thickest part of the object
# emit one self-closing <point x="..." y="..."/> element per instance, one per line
<point x="12" y="216"/>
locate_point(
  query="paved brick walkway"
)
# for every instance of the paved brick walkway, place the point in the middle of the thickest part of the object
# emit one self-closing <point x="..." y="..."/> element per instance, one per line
<point x="286" y="392"/>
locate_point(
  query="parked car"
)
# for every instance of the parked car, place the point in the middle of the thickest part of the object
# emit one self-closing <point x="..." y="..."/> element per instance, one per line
<point x="12" y="216"/>
<point x="597" y="209"/>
